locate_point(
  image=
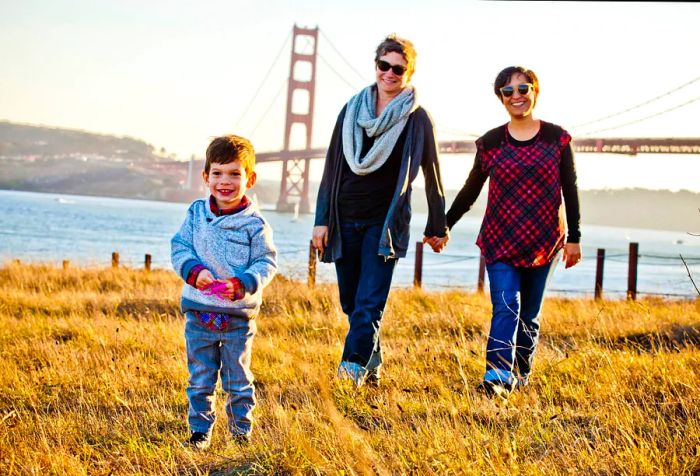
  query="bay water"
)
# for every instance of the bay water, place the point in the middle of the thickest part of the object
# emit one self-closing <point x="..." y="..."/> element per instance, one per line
<point x="49" y="228"/>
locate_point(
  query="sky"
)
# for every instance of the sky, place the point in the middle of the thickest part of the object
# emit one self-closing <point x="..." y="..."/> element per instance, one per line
<point x="177" y="73"/>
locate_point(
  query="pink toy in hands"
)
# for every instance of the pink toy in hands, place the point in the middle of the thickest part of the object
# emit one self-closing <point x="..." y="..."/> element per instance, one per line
<point x="215" y="288"/>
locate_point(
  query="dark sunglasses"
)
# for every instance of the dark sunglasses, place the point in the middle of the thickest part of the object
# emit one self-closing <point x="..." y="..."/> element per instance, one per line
<point x="523" y="89"/>
<point x="396" y="68"/>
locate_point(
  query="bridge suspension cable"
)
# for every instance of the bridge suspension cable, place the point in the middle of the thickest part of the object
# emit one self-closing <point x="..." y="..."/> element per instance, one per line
<point x="279" y="91"/>
<point x="262" y="83"/>
<point x="638" y="105"/>
<point x="325" y="61"/>
<point x="644" y="118"/>
<point x="359" y="75"/>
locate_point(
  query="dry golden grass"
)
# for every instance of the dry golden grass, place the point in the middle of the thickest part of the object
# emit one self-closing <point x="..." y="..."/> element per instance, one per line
<point x="93" y="376"/>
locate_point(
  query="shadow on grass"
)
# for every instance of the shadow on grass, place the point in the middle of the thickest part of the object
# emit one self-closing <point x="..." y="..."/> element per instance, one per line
<point x="148" y="308"/>
<point x="674" y="338"/>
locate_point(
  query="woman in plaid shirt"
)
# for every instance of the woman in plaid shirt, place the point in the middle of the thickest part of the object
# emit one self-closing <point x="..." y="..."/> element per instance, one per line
<point x="530" y="165"/>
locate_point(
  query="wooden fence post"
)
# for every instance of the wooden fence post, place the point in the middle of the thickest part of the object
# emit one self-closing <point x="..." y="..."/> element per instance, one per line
<point x="418" y="267"/>
<point x="147" y="262"/>
<point x="115" y="259"/>
<point x="66" y="263"/>
<point x="482" y="274"/>
<point x="312" y="265"/>
<point x="632" y="272"/>
<point x="600" y="262"/>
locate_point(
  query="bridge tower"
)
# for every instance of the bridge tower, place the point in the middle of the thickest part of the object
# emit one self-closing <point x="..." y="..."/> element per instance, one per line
<point x="294" y="186"/>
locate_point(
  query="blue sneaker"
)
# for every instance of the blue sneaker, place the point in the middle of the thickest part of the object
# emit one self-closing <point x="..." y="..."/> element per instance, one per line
<point x="352" y="371"/>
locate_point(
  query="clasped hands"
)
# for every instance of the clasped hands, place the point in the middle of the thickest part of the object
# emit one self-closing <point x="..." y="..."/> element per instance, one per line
<point x="437" y="243"/>
<point x="320" y="239"/>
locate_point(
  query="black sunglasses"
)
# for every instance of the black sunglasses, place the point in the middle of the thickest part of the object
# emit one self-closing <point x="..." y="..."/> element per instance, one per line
<point x="396" y="68"/>
<point x="523" y="89"/>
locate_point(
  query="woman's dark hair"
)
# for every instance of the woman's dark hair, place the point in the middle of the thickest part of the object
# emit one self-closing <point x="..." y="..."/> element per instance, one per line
<point x="404" y="47"/>
<point x="504" y="77"/>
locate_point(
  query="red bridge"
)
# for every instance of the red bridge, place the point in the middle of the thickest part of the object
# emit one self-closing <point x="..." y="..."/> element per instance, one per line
<point x="294" y="184"/>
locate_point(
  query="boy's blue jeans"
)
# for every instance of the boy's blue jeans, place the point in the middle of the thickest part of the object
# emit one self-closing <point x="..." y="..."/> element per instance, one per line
<point x="228" y="353"/>
<point x="364" y="280"/>
<point x="516" y="297"/>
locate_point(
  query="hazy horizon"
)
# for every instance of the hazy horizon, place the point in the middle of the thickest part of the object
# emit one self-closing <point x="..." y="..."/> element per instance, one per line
<point x="173" y="74"/>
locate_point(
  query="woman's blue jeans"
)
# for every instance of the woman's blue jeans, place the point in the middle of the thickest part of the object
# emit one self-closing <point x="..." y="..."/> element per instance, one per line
<point x="516" y="296"/>
<point x="210" y="354"/>
<point x="364" y="280"/>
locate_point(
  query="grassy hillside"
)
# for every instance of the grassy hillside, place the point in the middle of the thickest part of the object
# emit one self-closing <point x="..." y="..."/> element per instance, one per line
<point x="25" y="139"/>
<point x="93" y="375"/>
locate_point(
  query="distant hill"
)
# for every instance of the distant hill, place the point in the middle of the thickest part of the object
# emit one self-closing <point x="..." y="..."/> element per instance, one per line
<point x="28" y="140"/>
<point x="627" y="208"/>
<point x="45" y="159"/>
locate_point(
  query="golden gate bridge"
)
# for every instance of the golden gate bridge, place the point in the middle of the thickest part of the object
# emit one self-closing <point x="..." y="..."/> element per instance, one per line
<point x="301" y="88"/>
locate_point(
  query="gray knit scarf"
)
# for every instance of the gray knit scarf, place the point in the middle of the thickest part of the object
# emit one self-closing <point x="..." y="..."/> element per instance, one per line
<point x="387" y="128"/>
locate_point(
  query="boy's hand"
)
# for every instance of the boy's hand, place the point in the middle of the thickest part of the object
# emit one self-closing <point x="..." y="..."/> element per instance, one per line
<point x="319" y="237"/>
<point x="204" y="279"/>
<point x="227" y="289"/>
<point x="235" y="288"/>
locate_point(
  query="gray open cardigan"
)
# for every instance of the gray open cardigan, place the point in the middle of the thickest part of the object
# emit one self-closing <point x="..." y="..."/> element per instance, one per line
<point x="420" y="151"/>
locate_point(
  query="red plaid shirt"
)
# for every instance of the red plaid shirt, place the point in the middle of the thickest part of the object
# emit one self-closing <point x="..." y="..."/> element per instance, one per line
<point x="523" y="224"/>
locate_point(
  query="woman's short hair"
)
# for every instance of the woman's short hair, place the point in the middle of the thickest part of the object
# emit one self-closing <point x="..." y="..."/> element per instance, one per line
<point x="504" y="76"/>
<point x="404" y="47"/>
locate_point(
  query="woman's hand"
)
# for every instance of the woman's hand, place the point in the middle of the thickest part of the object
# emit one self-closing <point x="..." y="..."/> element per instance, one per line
<point x="204" y="278"/>
<point x="572" y="254"/>
<point x="437" y="243"/>
<point x="319" y="238"/>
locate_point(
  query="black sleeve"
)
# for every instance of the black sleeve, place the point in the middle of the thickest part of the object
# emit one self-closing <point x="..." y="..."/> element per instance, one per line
<point x="323" y="199"/>
<point x="468" y="194"/>
<point x="569" y="188"/>
<point x="434" y="192"/>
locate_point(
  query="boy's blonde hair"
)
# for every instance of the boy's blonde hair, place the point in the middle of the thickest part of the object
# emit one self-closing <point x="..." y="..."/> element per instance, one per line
<point x="231" y="148"/>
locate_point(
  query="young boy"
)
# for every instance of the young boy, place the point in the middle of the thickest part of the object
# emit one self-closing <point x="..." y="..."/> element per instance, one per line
<point x="225" y="254"/>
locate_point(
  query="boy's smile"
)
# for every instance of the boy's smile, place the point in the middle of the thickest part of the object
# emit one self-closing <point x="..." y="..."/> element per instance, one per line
<point x="228" y="183"/>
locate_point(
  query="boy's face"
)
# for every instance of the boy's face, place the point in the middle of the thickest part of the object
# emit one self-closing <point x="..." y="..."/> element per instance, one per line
<point x="228" y="183"/>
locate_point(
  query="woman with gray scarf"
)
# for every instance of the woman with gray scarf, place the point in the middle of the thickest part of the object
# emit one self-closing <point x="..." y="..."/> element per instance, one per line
<point x="381" y="139"/>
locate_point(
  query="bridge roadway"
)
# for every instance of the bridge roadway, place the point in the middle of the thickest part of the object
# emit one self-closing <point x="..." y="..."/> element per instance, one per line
<point x="609" y="146"/>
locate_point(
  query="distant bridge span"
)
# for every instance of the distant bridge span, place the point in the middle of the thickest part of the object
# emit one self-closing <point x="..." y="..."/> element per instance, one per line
<point x="294" y="183"/>
<point x="632" y="146"/>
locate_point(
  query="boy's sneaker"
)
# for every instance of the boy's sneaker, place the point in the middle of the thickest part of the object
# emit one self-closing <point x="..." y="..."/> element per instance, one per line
<point x="199" y="440"/>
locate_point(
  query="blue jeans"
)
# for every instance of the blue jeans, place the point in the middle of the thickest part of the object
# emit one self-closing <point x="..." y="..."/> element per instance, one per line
<point x="516" y="297"/>
<point x="364" y="279"/>
<point x="228" y="353"/>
